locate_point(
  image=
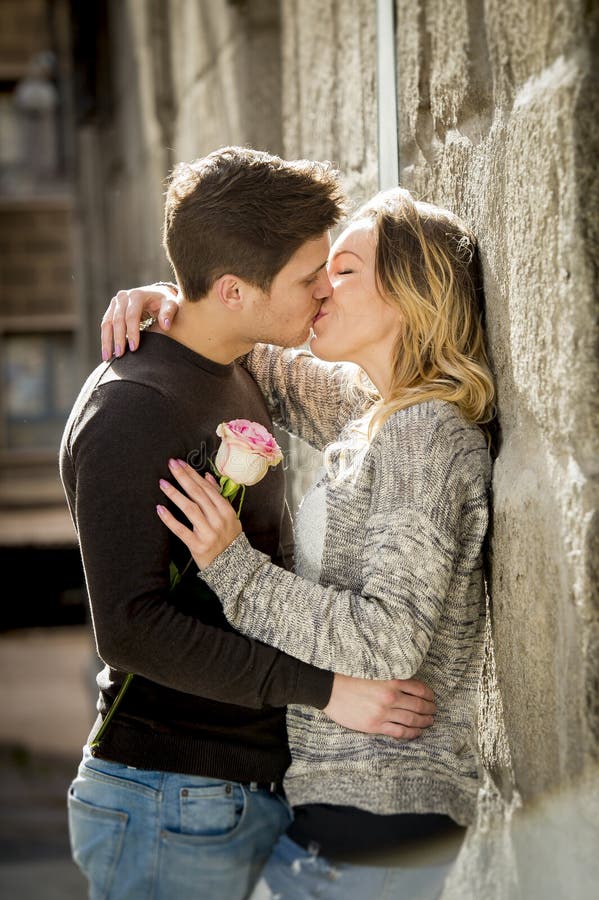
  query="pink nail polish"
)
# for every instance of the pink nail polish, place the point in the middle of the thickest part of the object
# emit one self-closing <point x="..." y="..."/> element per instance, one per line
<point x="182" y="463"/>
<point x="163" y="483"/>
<point x="167" y="323"/>
<point x="131" y="345"/>
<point x="173" y="463"/>
<point x="117" y="350"/>
<point x="160" y="510"/>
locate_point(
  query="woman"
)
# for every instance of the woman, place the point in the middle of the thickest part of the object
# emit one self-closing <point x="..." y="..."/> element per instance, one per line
<point x="389" y="577"/>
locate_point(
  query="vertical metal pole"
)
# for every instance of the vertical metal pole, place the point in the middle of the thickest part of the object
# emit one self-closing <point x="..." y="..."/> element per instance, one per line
<point x="387" y="95"/>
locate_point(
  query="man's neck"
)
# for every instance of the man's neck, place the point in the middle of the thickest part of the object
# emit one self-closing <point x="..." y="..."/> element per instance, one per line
<point x="206" y="330"/>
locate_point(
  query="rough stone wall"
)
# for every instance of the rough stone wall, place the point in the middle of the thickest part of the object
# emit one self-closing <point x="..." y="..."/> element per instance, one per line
<point x="496" y="121"/>
<point x="227" y="78"/>
<point x="329" y="112"/>
<point x="174" y="80"/>
<point x="122" y="164"/>
<point x="329" y="87"/>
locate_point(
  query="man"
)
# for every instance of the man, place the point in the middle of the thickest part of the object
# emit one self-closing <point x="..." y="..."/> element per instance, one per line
<point x="181" y="796"/>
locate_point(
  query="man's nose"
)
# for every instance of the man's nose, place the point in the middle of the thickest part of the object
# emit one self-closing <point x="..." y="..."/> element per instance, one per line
<point x="324" y="288"/>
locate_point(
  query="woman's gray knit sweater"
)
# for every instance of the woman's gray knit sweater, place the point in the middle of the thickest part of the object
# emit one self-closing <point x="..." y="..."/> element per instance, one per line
<point x="401" y="590"/>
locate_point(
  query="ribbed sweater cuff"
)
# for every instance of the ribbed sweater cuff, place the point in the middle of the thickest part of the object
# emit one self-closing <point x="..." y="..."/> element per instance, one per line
<point x="314" y="686"/>
<point x="229" y="573"/>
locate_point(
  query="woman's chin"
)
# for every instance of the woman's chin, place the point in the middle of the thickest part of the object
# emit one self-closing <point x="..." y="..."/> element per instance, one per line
<point x="319" y="348"/>
<point x="327" y="354"/>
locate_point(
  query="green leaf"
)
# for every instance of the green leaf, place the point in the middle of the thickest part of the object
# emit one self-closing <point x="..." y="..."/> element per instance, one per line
<point x="174" y="574"/>
<point x="115" y="705"/>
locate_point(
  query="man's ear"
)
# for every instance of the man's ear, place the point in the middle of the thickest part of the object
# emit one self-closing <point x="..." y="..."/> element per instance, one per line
<point x="230" y="291"/>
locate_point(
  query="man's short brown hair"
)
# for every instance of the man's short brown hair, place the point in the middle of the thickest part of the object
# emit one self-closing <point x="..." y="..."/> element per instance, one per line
<point x="245" y="212"/>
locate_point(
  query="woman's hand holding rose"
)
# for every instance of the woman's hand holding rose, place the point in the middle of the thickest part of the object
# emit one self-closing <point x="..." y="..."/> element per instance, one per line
<point x="214" y="523"/>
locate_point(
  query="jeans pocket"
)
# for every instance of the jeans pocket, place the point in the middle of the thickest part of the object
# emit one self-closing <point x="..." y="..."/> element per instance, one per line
<point x="96" y="836"/>
<point x="211" y="811"/>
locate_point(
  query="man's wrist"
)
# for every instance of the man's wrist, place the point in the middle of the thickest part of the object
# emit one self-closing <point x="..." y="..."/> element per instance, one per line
<point x="314" y="686"/>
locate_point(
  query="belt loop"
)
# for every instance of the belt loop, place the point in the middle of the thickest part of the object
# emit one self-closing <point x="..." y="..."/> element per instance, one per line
<point x="253" y="785"/>
<point x="273" y="787"/>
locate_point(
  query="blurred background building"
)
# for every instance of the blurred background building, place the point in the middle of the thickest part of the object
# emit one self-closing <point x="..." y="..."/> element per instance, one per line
<point x="488" y="107"/>
<point x="39" y="311"/>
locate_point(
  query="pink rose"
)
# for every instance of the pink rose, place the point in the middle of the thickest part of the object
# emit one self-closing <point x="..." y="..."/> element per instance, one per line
<point x="246" y="452"/>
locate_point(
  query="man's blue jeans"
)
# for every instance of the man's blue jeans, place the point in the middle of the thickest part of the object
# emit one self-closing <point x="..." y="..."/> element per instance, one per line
<point x="144" y="835"/>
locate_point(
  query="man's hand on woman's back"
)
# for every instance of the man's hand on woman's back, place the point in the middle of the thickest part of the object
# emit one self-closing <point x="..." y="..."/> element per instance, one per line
<point x="397" y="708"/>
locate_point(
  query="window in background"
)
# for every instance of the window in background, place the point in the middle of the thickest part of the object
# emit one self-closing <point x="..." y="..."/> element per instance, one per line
<point x="37" y="389"/>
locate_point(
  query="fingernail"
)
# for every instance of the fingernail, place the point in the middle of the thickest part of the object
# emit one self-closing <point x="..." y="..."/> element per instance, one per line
<point x="182" y="463"/>
<point x="167" y="323"/>
<point x="104" y="356"/>
<point x="117" y="350"/>
<point x="163" y="483"/>
<point x="160" y="510"/>
<point x="131" y="345"/>
<point x="173" y="463"/>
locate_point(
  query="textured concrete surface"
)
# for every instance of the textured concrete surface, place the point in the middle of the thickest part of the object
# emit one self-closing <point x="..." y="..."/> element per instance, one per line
<point x="500" y="128"/>
<point x="329" y="87"/>
<point x="496" y="121"/>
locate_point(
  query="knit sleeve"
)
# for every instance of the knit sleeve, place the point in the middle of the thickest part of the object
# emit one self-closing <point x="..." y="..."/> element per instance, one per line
<point x="306" y="396"/>
<point x="409" y="559"/>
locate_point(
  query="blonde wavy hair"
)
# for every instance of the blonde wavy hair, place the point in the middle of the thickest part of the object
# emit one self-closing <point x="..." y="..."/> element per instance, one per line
<point x="427" y="264"/>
